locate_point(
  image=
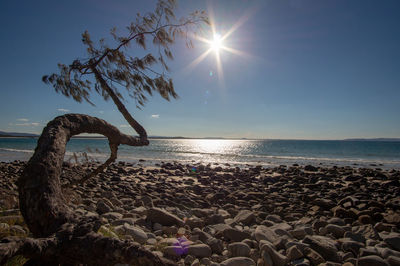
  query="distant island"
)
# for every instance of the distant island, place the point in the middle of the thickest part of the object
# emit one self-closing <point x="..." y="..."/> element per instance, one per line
<point x="17" y="135"/>
<point x="4" y="134"/>
<point x="373" y="139"/>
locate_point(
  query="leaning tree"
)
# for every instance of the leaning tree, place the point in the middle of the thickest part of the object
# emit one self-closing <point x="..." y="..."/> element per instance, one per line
<point x="60" y="235"/>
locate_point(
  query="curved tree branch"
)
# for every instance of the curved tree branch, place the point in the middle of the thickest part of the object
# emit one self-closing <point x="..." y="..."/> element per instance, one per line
<point x="62" y="234"/>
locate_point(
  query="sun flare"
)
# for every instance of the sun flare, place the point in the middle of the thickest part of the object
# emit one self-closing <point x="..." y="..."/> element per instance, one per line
<point x="216" y="43"/>
<point x="219" y="43"/>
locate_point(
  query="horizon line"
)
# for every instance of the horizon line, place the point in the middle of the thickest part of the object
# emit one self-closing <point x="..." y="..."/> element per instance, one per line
<point x="35" y="135"/>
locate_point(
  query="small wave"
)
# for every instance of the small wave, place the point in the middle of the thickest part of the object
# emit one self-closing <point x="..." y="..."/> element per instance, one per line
<point x="16" y="150"/>
<point x="262" y="157"/>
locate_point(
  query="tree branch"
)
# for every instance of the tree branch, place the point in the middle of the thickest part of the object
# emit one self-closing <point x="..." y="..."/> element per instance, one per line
<point x="128" y="117"/>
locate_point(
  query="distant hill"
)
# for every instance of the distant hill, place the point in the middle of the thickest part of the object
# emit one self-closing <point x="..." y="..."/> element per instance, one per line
<point x="375" y="139"/>
<point x="17" y="134"/>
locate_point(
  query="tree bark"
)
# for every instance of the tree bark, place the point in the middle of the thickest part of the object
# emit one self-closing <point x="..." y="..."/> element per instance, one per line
<point x="62" y="237"/>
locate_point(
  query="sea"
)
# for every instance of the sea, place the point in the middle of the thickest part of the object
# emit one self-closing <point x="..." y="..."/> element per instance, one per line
<point x="224" y="152"/>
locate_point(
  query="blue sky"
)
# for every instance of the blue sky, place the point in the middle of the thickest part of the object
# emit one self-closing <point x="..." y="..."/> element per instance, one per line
<point x="311" y="69"/>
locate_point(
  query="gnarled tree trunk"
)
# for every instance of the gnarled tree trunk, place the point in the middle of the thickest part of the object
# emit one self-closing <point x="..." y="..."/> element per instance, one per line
<point x="61" y="236"/>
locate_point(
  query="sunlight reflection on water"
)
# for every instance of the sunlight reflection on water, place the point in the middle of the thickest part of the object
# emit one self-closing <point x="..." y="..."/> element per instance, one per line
<point x="224" y="151"/>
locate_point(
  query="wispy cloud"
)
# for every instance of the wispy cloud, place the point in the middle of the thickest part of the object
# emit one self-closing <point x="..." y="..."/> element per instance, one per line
<point x="34" y="124"/>
<point x="101" y="112"/>
<point x="23" y="119"/>
<point x="124" y="126"/>
<point x="155" y="116"/>
<point x="63" y="110"/>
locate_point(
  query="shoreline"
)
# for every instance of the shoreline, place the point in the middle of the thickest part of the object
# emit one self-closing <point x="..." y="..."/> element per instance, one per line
<point x="226" y="214"/>
<point x="275" y="161"/>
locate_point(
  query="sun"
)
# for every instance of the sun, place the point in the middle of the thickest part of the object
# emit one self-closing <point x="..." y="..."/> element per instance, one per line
<point x="219" y="44"/>
<point x="216" y="43"/>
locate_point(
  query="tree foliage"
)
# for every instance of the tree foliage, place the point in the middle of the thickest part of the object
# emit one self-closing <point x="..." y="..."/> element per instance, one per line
<point x="116" y="68"/>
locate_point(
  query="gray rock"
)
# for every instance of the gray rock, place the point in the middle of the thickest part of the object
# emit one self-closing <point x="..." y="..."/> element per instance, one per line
<point x="298" y="233"/>
<point x="104" y="206"/>
<point x="352" y="246"/>
<point x="245" y="217"/>
<point x="174" y="251"/>
<point x="151" y="241"/>
<point x="234" y="234"/>
<point x="196" y="262"/>
<point x="137" y="234"/>
<point x="367" y="231"/>
<point x="386" y="252"/>
<point x="371" y="260"/>
<point x="199" y="250"/>
<point x="393" y="261"/>
<point x="294" y="253"/>
<point x="140" y="210"/>
<point x="368" y="251"/>
<point x="383" y="227"/>
<point x="336" y="230"/>
<point x="355" y="236"/>
<point x="324" y="246"/>
<point x="314" y="256"/>
<point x="301" y="262"/>
<point x="111" y="216"/>
<point x="274" y="218"/>
<point x="214" y="219"/>
<point x="171" y="241"/>
<point x="205" y="261"/>
<point x="265" y="259"/>
<point x="122" y="221"/>
<point x="194" y="222"/>
<point x="224" y="213"/>
<point x="277" y="258"/>
<point x="392" y="239"/>
<point x="264" y="233"/>
<point x="219" y="228"/>
<point x="239" y="249"/>
<point x="238" y="261"/>
<point x="189" y="259"/>
<point x="216" y="245"/>
<point x="299" y="245"/>
<point x="157" y="215"/>
<point x="337" y="221"/>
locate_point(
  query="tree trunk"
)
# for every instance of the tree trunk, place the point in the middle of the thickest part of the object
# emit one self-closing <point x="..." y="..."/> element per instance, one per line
<point x="121" y="107"/>
<point x="62" y="237"/>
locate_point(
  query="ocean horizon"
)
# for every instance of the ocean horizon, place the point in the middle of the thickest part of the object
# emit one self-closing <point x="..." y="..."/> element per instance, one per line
<point x="233" y="152"/>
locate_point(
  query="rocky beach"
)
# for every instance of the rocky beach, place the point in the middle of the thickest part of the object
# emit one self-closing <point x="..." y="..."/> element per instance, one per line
<point x="223" y="215"/>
